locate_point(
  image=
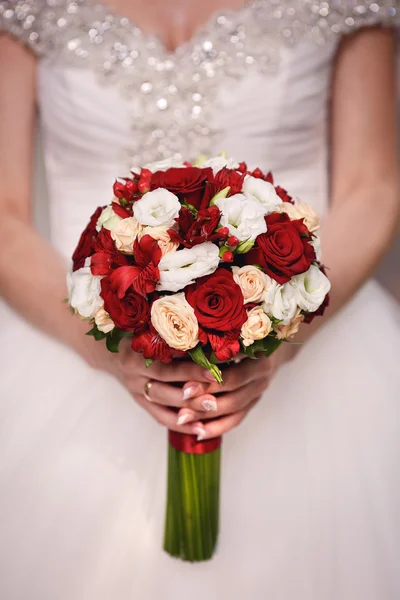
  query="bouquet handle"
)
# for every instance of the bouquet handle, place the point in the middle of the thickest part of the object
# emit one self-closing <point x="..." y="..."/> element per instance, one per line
<point x="192" y="513"/>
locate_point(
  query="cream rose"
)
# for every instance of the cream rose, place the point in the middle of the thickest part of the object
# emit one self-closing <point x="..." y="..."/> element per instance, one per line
<point x="257" y="326"/>
<point x="286" y="331"/>
<point x="253" y="282"/>
<point x="175" y="321"/>
<point x="161" y="234"/>
<point x="103" y="321"/>
<point x="125" y="233"/>
<point x="301" y="210"/>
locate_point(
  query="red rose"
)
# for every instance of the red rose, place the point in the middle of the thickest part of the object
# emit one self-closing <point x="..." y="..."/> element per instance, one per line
<point x="188" y="183"/>
<point x="284" y="250"/>
<point x="151" y="345"/>
<point x="85" y="245"/>
<point x="130" y="312"/>
<point x="283" y="195"/>
<point x="196" y="230"/>
<point x="217" y="301"/>
<point x="106" y="257"/>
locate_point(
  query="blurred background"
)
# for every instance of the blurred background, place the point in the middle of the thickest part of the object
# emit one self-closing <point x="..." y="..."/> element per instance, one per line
<point x="388" y="273"/>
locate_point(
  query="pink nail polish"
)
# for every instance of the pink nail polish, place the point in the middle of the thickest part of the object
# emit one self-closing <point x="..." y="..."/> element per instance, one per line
<point x="200" y="432"/>
<point x="184" y="419"/>
<point x="189" y="392"/>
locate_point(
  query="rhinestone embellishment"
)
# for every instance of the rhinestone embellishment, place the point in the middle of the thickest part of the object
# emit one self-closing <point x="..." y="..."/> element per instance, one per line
<point x="171" y="94"/>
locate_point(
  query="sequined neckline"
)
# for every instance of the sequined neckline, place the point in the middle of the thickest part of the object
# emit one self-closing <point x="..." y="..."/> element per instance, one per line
<point x="184" y="47"/>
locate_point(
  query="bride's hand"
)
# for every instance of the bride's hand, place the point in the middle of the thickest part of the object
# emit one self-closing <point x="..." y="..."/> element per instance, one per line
<point x="165" y="399"/>
<point x="216" y="409"/>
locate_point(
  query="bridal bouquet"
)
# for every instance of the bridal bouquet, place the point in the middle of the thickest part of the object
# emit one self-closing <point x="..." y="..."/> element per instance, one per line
<point x="199" y="262"/>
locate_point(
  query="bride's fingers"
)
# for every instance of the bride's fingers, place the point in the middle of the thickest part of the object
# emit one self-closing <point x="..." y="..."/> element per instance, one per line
<point x="231" y="402"/>
<point x="241" y="374"/>
<point x="217" y="427"/>
<point x="166" y="416"/>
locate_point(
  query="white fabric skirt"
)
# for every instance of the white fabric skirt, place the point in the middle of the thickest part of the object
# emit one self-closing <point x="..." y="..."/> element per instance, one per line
<point x="310" y="481"/>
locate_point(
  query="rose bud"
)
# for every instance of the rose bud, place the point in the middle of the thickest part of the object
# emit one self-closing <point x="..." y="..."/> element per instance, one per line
<point x="228" y="256"/>
<point x="145" y="174"/>
<point x="258" y="173"/>
<point x="233" y="241"/>
<point x="242" y="168"/>
<point x="223" y="232"/>
<point x="144" y="186"/>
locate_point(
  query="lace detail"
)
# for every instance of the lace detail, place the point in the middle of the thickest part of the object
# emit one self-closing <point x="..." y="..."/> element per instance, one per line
<point x="174" y="91"/>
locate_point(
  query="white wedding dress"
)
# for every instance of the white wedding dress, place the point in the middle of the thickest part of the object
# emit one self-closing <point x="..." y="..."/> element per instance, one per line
<point x="311" y="480"/>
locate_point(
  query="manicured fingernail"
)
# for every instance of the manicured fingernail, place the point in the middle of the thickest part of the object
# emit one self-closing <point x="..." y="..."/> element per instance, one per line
<point x="209" y="404"/>
<point x="184" y="419"/>
<point x="209" y="376"/>
<point x="189" y="392"/>
<point x="200" y="432"/>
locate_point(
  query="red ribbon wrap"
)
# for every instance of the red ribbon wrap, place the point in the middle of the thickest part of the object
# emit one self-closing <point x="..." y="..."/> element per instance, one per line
<point x="189" y="444"/>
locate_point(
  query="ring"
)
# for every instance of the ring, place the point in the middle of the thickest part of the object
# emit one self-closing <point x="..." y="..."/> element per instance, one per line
<point x="146" y="390"/>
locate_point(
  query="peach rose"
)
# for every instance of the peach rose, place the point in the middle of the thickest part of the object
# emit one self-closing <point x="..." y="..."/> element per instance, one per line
<point x="175" y="321"/>
<point x="125" y="233"/>
<point x="301" y="210"/>
<point x="103" y="321"/>
<point x="252" y="281"/>
<point x="160" y="233"/>
<point x="257" y="326"/>
<point x="285" y="331"/>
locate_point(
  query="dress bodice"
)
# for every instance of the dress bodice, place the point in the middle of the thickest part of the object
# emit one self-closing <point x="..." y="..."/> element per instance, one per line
<point x="254" y="83"/>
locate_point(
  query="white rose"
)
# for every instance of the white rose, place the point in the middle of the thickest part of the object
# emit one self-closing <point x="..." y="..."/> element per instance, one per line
<point x="108" y="219"/>
<point x="263" y="191"/>
<point x="220" y="162"/>
<point x="159" y="207"/>
<point x="175" y="321"/>
<point x="301" y="210"/>
<point x="125" y="233"/>
<point x="253" y="282"/>
<point x="280" y="302"/>
<point x="162" y="236"/>
<point x="181" y="268"/>
<point x="257" y="326"/>
<point x="164" y="165"/>
<point x="243" y="216"/>
<point x="103" y="321"/>
<point x="286" y="331"/>
<point x="316" y="244"/>
<point x="310" y="288"/>
<point x="84" y="291"/>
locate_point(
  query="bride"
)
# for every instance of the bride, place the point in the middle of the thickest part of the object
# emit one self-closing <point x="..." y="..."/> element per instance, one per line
<point x="311" y="477"/>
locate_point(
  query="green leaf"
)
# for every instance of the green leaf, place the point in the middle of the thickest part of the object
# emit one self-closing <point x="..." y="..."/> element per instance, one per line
<point x="114" y="338"/>
<point x="96" y="333"/>
<point x="190" y="207"/>
<point x="147" y="362"/>
<point x="245" y="246"/>
<point x="266" y="346"/>
<point x="198" y="356"/>
<point x="222" y="194"/>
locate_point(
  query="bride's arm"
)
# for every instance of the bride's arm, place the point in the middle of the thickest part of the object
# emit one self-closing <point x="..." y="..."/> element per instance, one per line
<point x="365" y="197"/>
<point x="32" y="274"/>
<point x="364" y="209"/>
